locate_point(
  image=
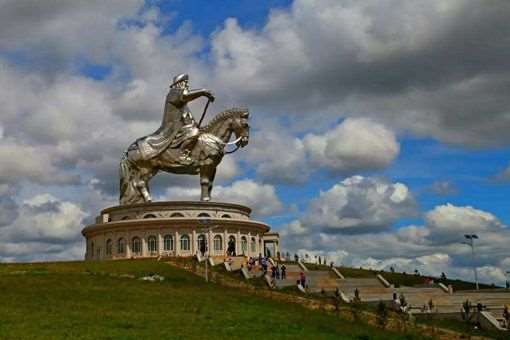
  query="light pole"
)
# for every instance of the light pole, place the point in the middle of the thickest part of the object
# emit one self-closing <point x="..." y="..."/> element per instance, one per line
<point x="471" y="238"/>
<point x="205" y="222"/>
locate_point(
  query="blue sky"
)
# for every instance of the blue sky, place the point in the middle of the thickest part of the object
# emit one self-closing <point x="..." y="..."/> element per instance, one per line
<point x="208" y="16"/>
<point x="373" y="123"/>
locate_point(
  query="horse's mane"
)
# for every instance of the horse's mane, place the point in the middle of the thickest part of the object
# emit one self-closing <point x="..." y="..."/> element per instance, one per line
<point x="220" y="117"/>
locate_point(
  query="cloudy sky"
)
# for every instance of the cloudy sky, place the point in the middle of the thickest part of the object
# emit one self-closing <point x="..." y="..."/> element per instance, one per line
<point x="387" y="121"/>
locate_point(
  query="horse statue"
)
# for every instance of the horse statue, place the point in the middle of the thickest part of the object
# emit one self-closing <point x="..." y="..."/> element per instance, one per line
<point x="205" y="156"/>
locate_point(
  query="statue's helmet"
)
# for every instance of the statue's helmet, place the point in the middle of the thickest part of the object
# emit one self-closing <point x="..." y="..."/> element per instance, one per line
<point x="179" y="78"/>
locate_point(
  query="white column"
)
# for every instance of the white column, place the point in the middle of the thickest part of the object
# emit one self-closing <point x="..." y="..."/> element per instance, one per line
<point x="144" y="245"/>
<point x="238" y="243"/>
<point x="210" y="245"/>
<point x="128" y="245"/>
<point x="160" y="242"/>
<point x="193" y="242"/>
<point x="225" y="241"/>
<point x="248" y="246"/>
<point x="177" y="243"/>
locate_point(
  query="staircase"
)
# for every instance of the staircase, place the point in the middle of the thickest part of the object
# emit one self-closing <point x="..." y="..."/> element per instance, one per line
<point x="216" y="260"/>
<point x="235" y="262"/>
<point x="497" y="314"/>
<point x="370" y="289"/>
<point x="319" y="281"/>
<point x="493" y="301"/>
<point x="292" y="275"/>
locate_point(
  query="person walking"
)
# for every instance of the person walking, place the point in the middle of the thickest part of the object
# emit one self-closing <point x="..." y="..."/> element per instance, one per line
<point x="506" y="316"/>
<point x="284" y="272"/>
<point x="302" y="279"/>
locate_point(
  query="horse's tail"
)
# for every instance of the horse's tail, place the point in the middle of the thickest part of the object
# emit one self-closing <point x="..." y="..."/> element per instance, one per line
<point x="125" y="174"/>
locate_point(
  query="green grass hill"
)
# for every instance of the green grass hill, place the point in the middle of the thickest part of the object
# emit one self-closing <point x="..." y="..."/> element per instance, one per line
<point x="106" y="300"/>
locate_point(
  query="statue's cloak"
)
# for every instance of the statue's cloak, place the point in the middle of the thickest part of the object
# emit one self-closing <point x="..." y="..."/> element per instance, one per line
<point x="152" y="145"/>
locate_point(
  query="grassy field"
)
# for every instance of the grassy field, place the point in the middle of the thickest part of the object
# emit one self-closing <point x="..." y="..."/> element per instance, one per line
<point x="462" y="327"/>
<point x="102" y="300"/>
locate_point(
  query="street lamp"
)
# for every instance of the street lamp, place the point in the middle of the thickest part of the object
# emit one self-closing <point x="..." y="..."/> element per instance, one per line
<point x="208" y="228"/>
<point x="471" y="238"/>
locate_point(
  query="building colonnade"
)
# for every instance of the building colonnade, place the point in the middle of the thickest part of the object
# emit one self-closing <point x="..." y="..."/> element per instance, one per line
<point x="172" y="242"/>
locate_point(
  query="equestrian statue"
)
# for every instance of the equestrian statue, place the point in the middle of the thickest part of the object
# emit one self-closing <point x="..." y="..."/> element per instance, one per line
<point x="180" y="145"/>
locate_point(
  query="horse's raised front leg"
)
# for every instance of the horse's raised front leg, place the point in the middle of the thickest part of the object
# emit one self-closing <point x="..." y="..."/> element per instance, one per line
<point x="205" y="180"/>
<point x="211" y="181"/>
<point x="142" y="183"/>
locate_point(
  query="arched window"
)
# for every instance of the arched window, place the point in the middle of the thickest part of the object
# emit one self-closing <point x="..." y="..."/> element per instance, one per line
<point x="136" y="246"/>
<point x="226" y="216"/>
<point x="253" y="245"/>
<point x="244" y="245"/>
<point x="204" y="215"/>
<point x="185" y="242"/>
<point x="231" y="246"/>
<point x="218" y="243"/>
<point x="149" y="216"/>
<point x="121" y="246"/>
<point x="152" y="244"/>
<point x="108" y="247"/>
<point x="201" y="244"/>
<point x="177" y="215"/>
<point x="168" y="242"/>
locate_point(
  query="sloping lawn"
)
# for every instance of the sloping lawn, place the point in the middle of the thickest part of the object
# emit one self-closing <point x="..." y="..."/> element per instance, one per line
<point x="95" y="300"/>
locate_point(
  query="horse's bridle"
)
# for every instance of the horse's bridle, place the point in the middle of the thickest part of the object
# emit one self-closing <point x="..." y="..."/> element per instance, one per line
<point x="232" y="143"/>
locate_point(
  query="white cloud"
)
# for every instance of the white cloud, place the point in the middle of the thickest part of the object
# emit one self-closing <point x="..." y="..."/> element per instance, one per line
<point x="278" y="157"/>
<point x="503" y="175"/>
<point x="432" y="248"/>
<point x="385" y="59"/>
<point x="447" y="222"/>
<point x="8" y="207"/>
<point x="359" y="205"/>
<point x="443" y="188"/>
<point x="53" y="34"/>
<point x="261" y="198"/>
<point x="354" y="145"/>
<point x="227" y="169"/>
<point x="41" y="251"/>
<point x="294" y="228"/>
<point x="24" y="162"/>
<point x="309" y="66"/>
<point x="44" y="217"/>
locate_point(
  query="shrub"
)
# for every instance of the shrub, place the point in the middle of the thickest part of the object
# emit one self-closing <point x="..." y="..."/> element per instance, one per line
<point x="382" y="314"/>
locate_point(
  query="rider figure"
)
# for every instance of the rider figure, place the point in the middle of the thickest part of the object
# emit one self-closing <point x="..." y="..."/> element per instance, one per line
<point x="178" y="128"/>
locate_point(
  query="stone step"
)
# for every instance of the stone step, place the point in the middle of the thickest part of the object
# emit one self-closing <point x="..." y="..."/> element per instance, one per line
<point x="284" y="283"/>
<point x="292" y="268"/>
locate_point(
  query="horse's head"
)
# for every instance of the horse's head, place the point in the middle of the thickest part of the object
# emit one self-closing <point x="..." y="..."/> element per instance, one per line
<point x="241" y="127"/>
<point x="230" y="121"/>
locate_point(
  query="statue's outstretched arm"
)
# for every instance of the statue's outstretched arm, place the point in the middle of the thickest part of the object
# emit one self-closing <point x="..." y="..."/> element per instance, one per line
<point x="190" y="95"/>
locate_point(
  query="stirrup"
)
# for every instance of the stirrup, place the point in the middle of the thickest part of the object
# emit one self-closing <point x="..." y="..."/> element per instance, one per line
<point x="185" y="159"/>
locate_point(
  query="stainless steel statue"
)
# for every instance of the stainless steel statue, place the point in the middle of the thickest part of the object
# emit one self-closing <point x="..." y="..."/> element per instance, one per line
<point x="180" y="145"/>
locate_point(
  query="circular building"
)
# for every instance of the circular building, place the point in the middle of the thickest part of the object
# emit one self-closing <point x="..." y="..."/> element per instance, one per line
<point x="177" y="229"/>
